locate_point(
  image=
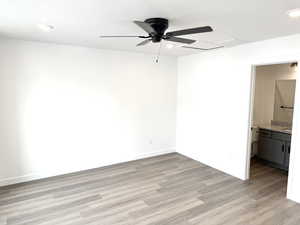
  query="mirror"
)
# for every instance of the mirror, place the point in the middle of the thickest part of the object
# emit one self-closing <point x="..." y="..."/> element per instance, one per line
<point x="284" y="101"/>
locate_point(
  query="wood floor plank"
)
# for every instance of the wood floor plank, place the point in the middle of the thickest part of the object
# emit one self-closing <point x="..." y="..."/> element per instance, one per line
<point x="169" y="189"/>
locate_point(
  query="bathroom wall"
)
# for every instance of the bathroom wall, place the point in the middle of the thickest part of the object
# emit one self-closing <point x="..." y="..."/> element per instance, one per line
<point x="265" y="83"/>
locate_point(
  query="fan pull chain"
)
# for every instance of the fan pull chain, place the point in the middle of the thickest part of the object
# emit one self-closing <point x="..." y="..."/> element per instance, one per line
<point x="158" y="55"/>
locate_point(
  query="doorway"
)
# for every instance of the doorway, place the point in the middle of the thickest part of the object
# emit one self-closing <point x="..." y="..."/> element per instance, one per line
<point x="271" y="119"/>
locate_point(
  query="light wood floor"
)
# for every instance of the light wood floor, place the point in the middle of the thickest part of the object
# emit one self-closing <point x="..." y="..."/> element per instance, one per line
<point x="165" y="190"/>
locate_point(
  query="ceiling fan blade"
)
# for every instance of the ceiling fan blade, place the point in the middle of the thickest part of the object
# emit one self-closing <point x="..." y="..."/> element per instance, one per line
<point x="146" y="27"/>
<point x="180" y="40"/>
<point x="190" y="31"/>
<point x="144" y="42"/>
<point x="121" y="36"/>
<point x="203" y="49"/>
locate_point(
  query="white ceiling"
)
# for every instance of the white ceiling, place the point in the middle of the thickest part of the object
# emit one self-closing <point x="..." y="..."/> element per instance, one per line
<point x="80" y="22"/>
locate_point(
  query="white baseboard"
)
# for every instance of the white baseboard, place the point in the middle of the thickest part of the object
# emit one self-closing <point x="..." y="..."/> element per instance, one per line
<point x="156" y="153"/>
<point x="37" y="176"/>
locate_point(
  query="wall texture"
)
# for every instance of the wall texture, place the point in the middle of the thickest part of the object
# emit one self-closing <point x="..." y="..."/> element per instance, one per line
<point x="65" y="108"/>
<point x="214" y="95"/>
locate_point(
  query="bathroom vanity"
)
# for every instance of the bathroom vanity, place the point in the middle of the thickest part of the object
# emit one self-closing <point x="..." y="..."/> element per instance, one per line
<point x="273" y="121"/>
<point x="274" y="147"/>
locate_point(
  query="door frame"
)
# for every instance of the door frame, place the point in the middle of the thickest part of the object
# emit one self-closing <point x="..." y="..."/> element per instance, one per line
<point x="251" y="107"/>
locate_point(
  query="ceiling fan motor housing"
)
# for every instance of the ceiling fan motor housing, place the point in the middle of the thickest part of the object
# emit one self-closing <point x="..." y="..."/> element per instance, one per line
<point x="160" y="25"/>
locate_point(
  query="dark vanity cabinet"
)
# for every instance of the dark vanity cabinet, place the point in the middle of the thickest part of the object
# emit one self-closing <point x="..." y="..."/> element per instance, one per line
<point x="271" y="150"/>
<point x="274" y="148"/>
<point x="287" y="158"/>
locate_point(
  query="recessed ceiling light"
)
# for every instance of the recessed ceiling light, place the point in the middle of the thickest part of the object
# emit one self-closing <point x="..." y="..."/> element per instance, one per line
<point x="294" y="13"/>
<point x="45" y="27"/>
<point x="169" y="46"/>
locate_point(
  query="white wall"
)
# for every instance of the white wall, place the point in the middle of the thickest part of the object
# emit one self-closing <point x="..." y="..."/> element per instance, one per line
<point x="67" y="108"/>
<point x="264" y="100"/>
<point x="214" y="103"/>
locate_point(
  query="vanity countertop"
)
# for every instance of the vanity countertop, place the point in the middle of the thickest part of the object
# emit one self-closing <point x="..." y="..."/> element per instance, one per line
<point x="281" y="129"/>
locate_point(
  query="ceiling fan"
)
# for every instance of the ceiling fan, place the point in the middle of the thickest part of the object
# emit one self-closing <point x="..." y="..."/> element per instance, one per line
<point x="156" y="29"/>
